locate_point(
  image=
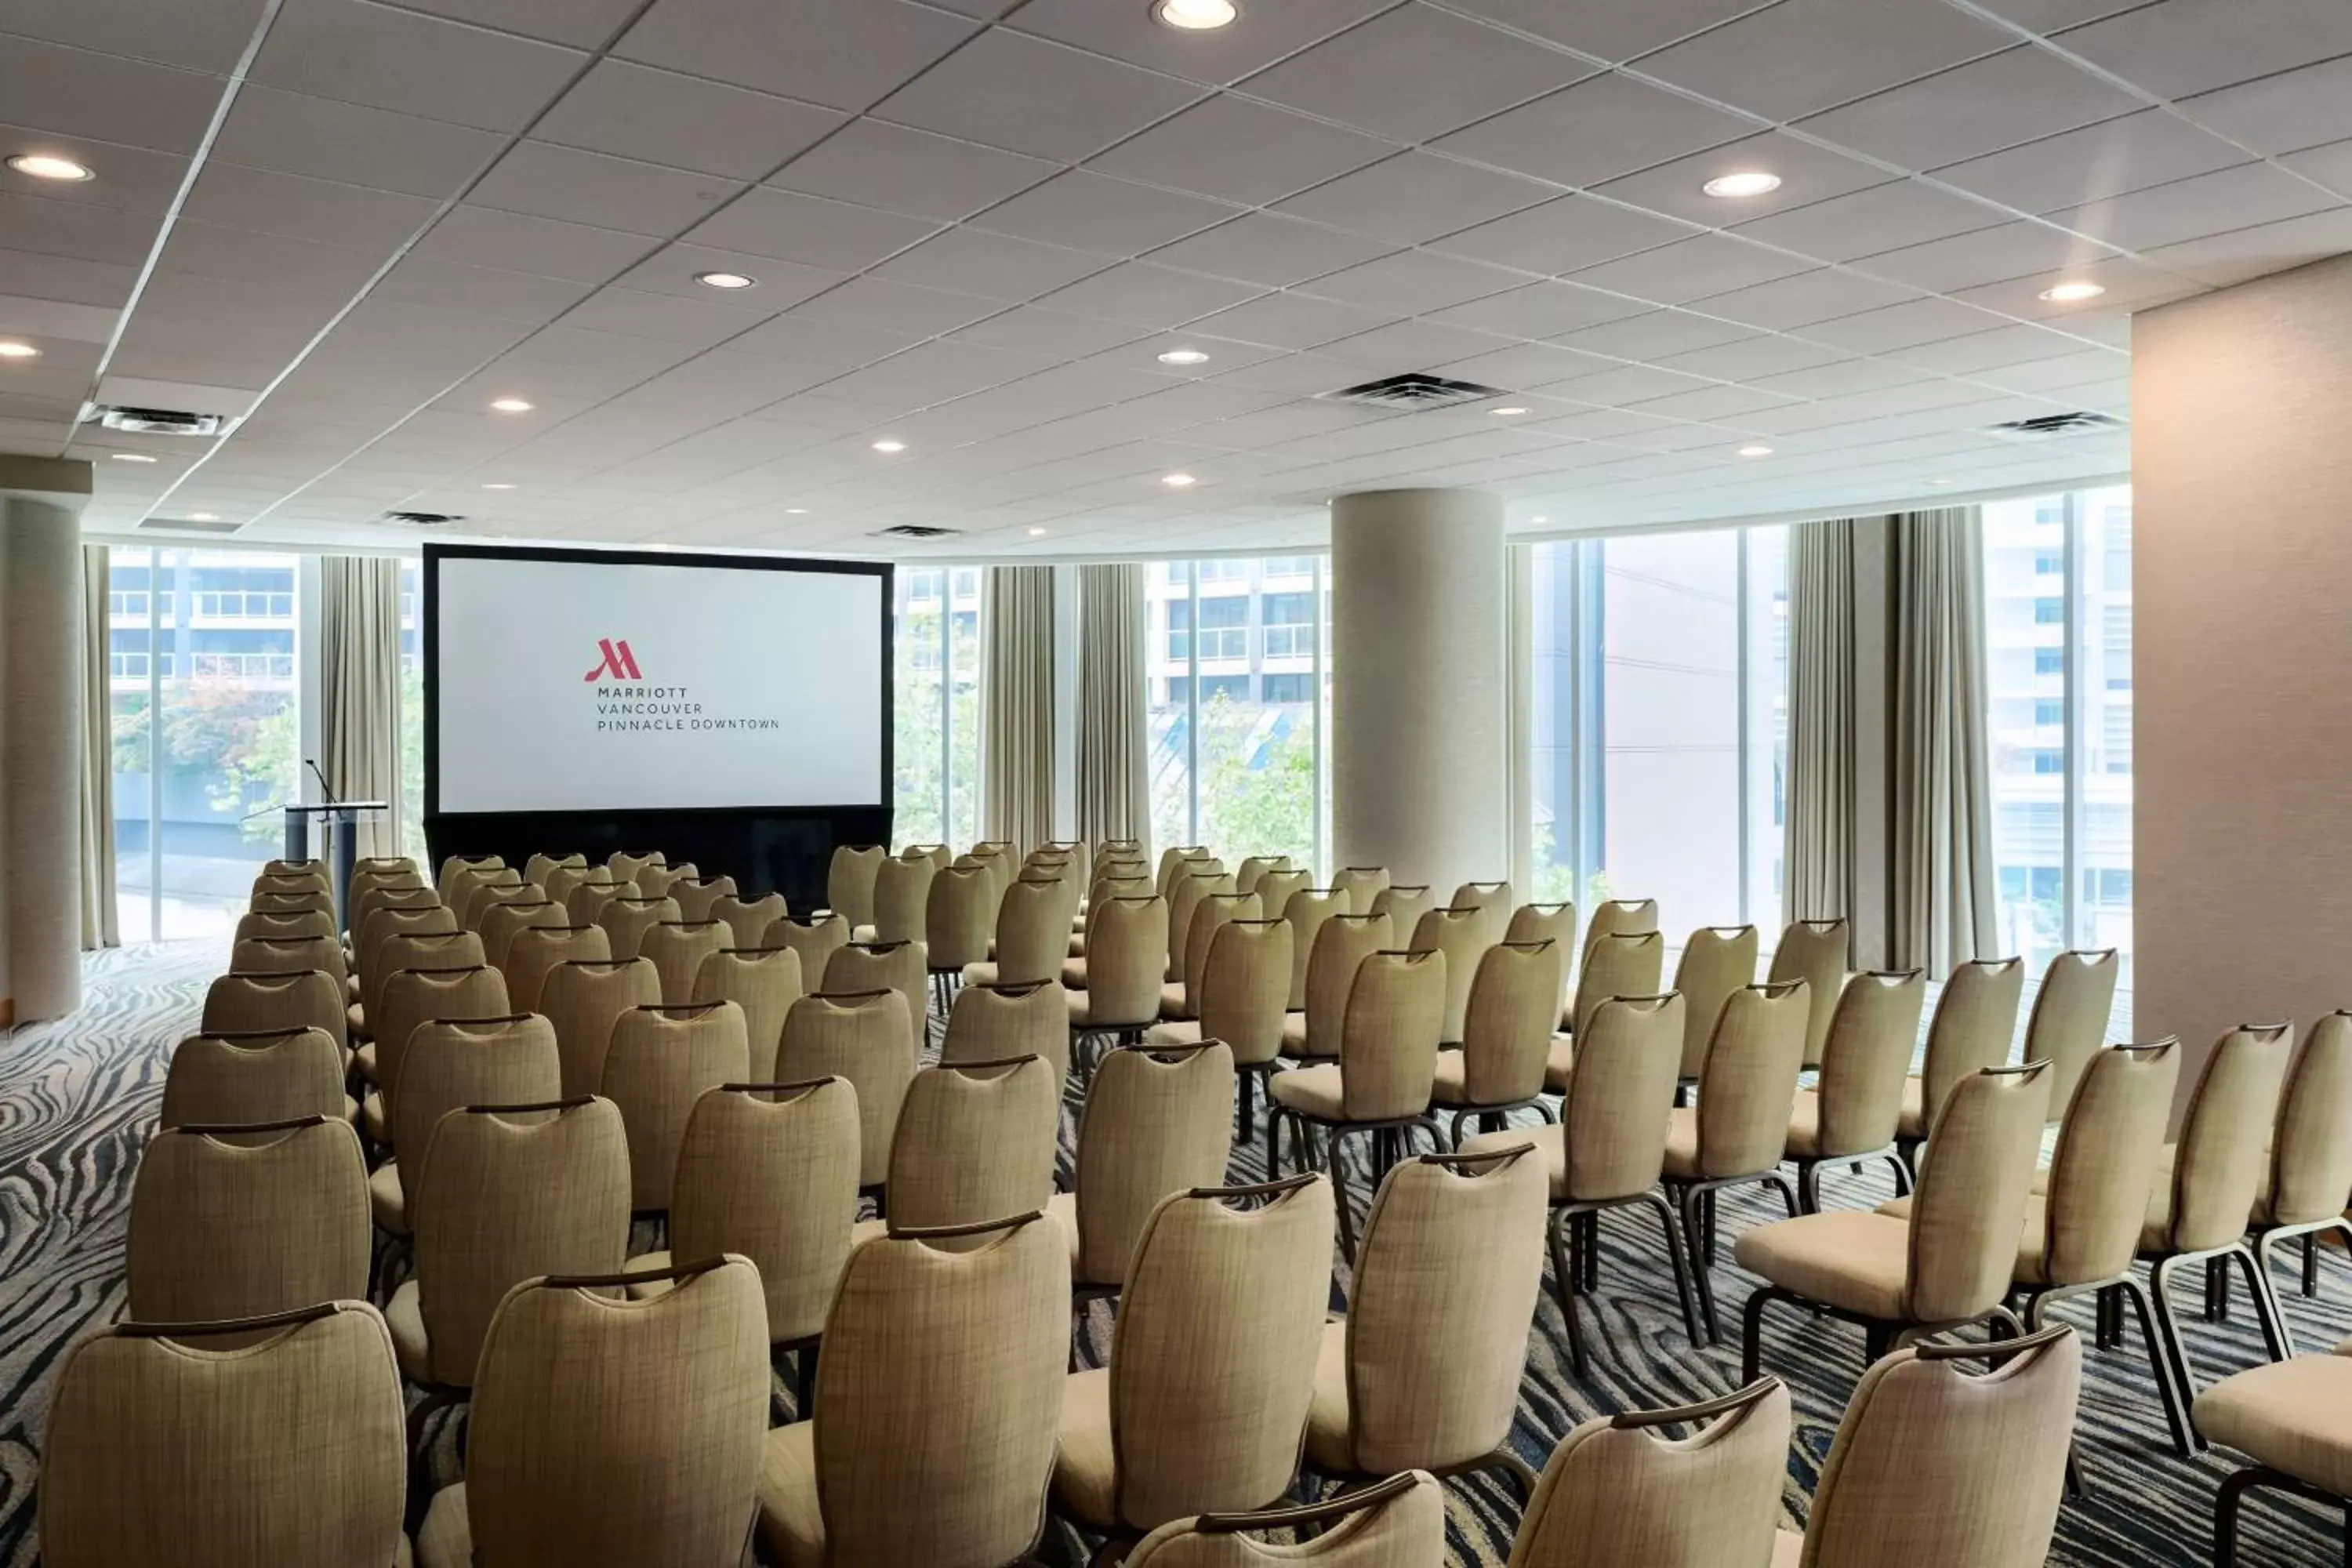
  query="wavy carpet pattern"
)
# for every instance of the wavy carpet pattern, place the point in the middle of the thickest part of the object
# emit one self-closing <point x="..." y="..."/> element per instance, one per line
<point x="77" y="1099"/>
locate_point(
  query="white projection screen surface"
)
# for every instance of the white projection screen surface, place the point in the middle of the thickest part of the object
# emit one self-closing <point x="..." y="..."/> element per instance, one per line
<point x="562" y="684"/>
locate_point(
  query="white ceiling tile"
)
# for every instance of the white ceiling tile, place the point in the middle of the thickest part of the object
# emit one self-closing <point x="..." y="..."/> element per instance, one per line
<point x="2331" y="165"/>
<point x="1564" y="235"/>
<point x="1054" y="332"/>
<point x="1414" y="73"/>
<point x="1290" y="322"/>
<point x="299" y="208"/>
<point x="910" y="171"/>
<point x="1268" y="248"/>
<point x="1400" y="346"/>
<point x="1540" y="310"/>
<point x="1885" y="218"/>
<point x="897" y="307"/>
<point x="1803" y="56"/>
<point x="542" y="180"/>
<point x="791" y="227"/>
<point x="484" y="236"/>
<point x="1129" y="32"/>
<point x="2176" y="48"/>
<point x="1413" y="283"/>
<point x="75" y="92"/>
<point x="1843" y="378"/>
<point x="199" y="260"/>
<point x="1807" y="173"/>
<point x="673" y="268"/>
<point x="206" y="37"/>
<point x="1751" y="359"/>
<point x="633" y="313"/>
<point x="2130" y="285"/>
<point x="637" y="111"/>
<point x="1728" y="404"/>
<point x="966" y="260"/>
<point x="1523" y="367"/>
<point x="2282" y="113"/>
<point x="76" y="229"/>
<point x="385" y="59"/>
<point x="1901" y="326"/>
<point x="843" y="56"/>
<point x="293" y="133"/>
<point x="1985" y="255"/>
<point x="1612" y="32"/>
<point x="1980" y="352"/>
<point x="1030" y="95"/>
<point x="131" y="179"/>
<point x="584" y="23"/>
<point x="1655" y="336"/>
<point x="1794" y="302"/>
<point x="822" y="342"/>
<point x="1151" y="296"/>
<point x="2225" y="259"/>
<point x="1293" y="374"/>
<point x="1596" y="129"/>
<point x="1093" y="212"/>
<point x="2204" y="204"/>
<point x="2117" y="156"/>
<point x="1628" y="383"/>
<point x="2049" y="16"/>
<point x="1413" y="197"/>
<point x="1692" y="269"/>
<point x="1238" y="150"/>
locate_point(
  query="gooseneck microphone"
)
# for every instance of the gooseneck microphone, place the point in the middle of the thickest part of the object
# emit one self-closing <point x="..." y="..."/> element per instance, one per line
<point x="312" y="764"/>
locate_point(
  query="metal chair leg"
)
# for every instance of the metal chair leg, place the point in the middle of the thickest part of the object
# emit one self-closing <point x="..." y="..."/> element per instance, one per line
<point x="2184" y="1376"/>
<point x="1564" y="1283"/>
<point x="2268" y="1314"/>
<point x="1751" y="1331"/>
<point x="2160" y="1361"/>
<point x="1335" y="1161"/>
<point x="1674" y="1254"/>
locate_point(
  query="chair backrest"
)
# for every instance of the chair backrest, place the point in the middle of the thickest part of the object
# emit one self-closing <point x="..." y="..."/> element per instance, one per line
<point x="676" y="950"/>
<point x="2110" y="1148"/>
<point x="752" y="919"/>
<point x="817" y="938"/>
<point x="655" y="1458"/>
<point x="455" y="866"/>
<point x="1361" y="884"/>
<point x="1544" y="922"/>
<point x="1171" y="861"/>
<point x="974" y="1142"/>
<point x="764" y="982"/>
<point x="290" y="923"/>
<point x="1974" y="1179"/>
<point x="1462" y="936"/>
<point x="583" y="998"/>
<point x="1507" y="1026"/>
<point x="536" y="868"/>
<point x="275" y="902"/>
<point x="563" y="879"/>
<point x="1245" y="982"/>
<point x="663" y="1059"/>
<point x="1616" y="1493"/>
<point x="696" y="896"/>
<point x="273" y="1075"/>
<point x="1938" y="1467"/>
<point x="901" y="965"/>
<point x="1388" y="1046"/>
<point x="1196" y="882"/>
<point x="502" y="922"/>
<point x="296" y="999"/>
<point x="2217" y="1169"/>
<point x="1866" y="1060"/>
<point x="992" y="856"/>
<point x="537" y="950"/>
<point x="1341" y="944"/>
<point x="489" y="898"/>
<point x="960" y="916"/>
<point x="940" y="1402"/>
<point x="1717" y="963"/>
<point x="770" y="1172"/>
<point x="1157" y="1121"/>
<point x="453" y="1061"/>
<point x="1440" y="1309"/>
<point x="370" y="869"/>
<point x="1032" y="929"/>
<point x="274" y="955"/>
<point x="1306" y="910"/>
<point x="1975" y="1017"/>
<point x="1210" y="913"/>
<point x="1404" y="904"/>
<point x="1617" y="963"/>
<point x="1620" y="917"/>
<point x="586" y="900"/>
<point x="412" y="998"/>
<point x="474" y="891"/>
<point x="939" y="855"/>
<point x="386" y="922"/>
<point x="625" y="864"/>
<point x="656" y="881"/>
<point x="1213" y="1359"/>
<point x="997" y="1023"/>
<point x="849" y="880"/>
<point x="902" y="892"/>
<point x="1398" y="1523"/>
<point x="1748" y="1088"/>
<point x="221" y="1230"/>
<point x="505" y="1195"/>
<point x="176" y="1450"/>
<point x="311" y="868"/>
<point x="1253" y="867"/>
<point x="1127" y="951"/>
<point x="1815" y="952"/>
<point x="2311" y="1149"/>
<point x="861" y="1038"/>
<point x="1277" y="887"/>
<point x="1616" y="1112"/>
<point x="1495" y="898"/>
<point x="2069" y="1021"/>
<point x="626" y="920"/>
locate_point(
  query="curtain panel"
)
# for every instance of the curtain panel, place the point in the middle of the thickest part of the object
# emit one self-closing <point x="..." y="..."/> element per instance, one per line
<point x="99" y="925"/>
<point x="1819" y="858"/>
<point x="1114" y="780"/>
<point x="358" y="677"/>
<point x="1017" y="706"/>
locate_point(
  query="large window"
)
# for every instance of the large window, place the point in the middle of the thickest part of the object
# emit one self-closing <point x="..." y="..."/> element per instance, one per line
<point x="2058" y="650"/>
<point x="201" y="657"/>
<point x="935" y="745"/>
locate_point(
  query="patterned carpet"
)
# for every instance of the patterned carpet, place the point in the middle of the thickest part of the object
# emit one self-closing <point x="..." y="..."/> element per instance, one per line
<point x="78" y="1099"/>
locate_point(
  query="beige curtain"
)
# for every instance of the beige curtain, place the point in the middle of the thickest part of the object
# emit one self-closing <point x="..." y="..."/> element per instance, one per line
<point x="1114" y="779"/>
<point x="359" y="676"/>
<point x="98" y="924"/>
<point x="1819" y="855"/>
<point x="1941" y="872"/>
<point x="1017" y="706"/>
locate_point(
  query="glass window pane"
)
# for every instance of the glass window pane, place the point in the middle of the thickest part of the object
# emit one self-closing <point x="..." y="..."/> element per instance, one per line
<point x="1168" y="676"/>
<point x="2103" y="836"/>
<point x="2025" y="638"/>
<point x="917" y="742"/>
<point x="127" y="705"/>
<point x="1552" y="568"/>
<point x="1767" y="725"/>
<point x="963" y="823"/>
<point x="1257" y="783"/>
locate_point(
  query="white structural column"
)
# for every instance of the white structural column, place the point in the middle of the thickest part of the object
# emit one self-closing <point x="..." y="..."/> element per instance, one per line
<point x="1420" y="724"/>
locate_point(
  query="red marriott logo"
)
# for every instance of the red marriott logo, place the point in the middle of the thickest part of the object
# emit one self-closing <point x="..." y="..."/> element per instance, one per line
<point x="615" y="660"/>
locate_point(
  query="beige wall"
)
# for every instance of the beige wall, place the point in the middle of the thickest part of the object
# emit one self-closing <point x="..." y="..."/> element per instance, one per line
<point x="2242" y="578"/>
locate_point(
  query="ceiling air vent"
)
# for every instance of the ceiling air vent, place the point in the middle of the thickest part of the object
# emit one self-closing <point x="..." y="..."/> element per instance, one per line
<point x="1416" y="390"/>
<point x="2050" y="427"/>
<point x="423" y="518"/>
<point x="164" y="421"/>
<point x="184" y="525"/>
<point x="917" y="531"/>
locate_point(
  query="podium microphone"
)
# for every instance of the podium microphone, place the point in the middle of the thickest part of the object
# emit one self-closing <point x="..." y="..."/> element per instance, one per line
<point x="312" y="764"/>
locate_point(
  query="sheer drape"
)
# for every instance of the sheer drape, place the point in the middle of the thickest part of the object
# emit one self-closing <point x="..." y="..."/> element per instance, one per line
<point x="1114" y="783"/>
<point x="359" y="676"/>
<point x="1941" y="865"/>
<point x="1017" y="706"/>
<point x="100" y="927"/>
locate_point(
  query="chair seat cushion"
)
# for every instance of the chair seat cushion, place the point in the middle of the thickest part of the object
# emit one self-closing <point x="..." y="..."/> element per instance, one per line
<point x="1682" y="1143"/>
<point x="1171" y="1001"/>
<point x="1551" y="1147"/>
<point x="792" y="1524"/>
<point x="352" y="1111"/>
<point x="1063" y="1208"/>
<point x="404" y="1315"/>
<point x="861" y="933"/>
<point x="1448" y="1084"/>
<point x="2294" y="1415"/>
<point x="980" y="974"/>
<point x="866" y="1230"/>
<point x="2031" y="1234"/>
<point x="1074" y="973"/>
<point x="1085" y="1473"/>
<point x="1844" y="1258"/>
<point x="1913" y="1124"/>
<point x="355" y="1019"/>
<point x="1329" y="1448"/>
<point x="1805" y="1126"/>
<point x="648" y="1263"/>
<point x="1294" y="1035"/>
<point x="1316" y="1091"/>
<point x="1558" y="1062"/>
<point x="387" y="1203"/>
<point x="446" y="1538"/>
<point x="1077" y="948"/>
<point x="1788" y="1549"/>
<point x="365" y="1058"/>
<point x="1186" y="1034"/>
<point x="1082" y="1016"/>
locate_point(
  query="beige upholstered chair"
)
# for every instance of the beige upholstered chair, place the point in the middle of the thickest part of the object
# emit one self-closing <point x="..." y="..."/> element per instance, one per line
<point x="367" y="868"/>
<point x="938" y="1397"/>
<point x="902" y="966"/>
<point x="1935" y="1466"/>
<point x="1815" y="951"/>
<point x="1496" y="900"/>
<point x="860" y="1038"/>
<point x="1609" y="1148"/>
<point x="654" y="1459"/>
<point x="1198" y="881"/>
<point x="560" y="881"/>
<point x="502" y="922"/>
<point x="2310" y="1183"/>
<point x="1614" y="1493"/>
<point x="272" y="1222"/>
<point x="492" y="896"/>
<point x="696" y="896"/>
<point x="586" y="900"/>
<point x="1506" y="1036"/>
<point x="662" y="1059"/>
<point x="626" y="863"/>
<point x="902" y="893"/>
<point x="412" y="998"/>
<point x="290" y="923"/>
<point x="1253" y="867"/>
<point x="1179" y="999"/>
<point x="1109" y="885"/>
<point x="1380" y="1086"/>
<point x="1975" y="1016"/>
<point x="1620" y="917"/>
<point x="271" y="1075"/>
<point x="455" y="866"/>
<point x="2069" y="1021"/>
<point x="1404" y="904"/>
<point x="974" y="1142"/>
<point x="959" y="922"/>
<point x="401" y="897"/>
<point x="939" y="855"/>
<point x="1850" y="1118"/>
<point x="1278" y="887"/>
<point x="817" y="938"/>
<point x="583" y="998"/>
<point x="1033" y="933"/>
<point x="1718" y="964"/>
<point x="753" y="920"/>
<point x="1544" y="922"/>
<point x="163" y="1446"/>
<point x="1154" y="1124"/>
<point x="1949" y="1262"/>
<point x="1171" y="861"/>
<point x="1361" y="884"/>
<point x="452" y="1062"/>
<point x="292" y="903"/>
<point x="656" y="881"/>
<point x="2288" y="1417"/>
<point x="1738" y="1134"/>
<point x="849" y="881"/>
<point x="1244" y="980"/>
<point x="1211" y="1364"/>
<point x="1306" y="910"/>
<point x="536" y="868"/>
<point x="473" y="894"/>
<point x="278" y="954"/>
<point x="1342" y="942"/>
<point x="1397" y="1523"/>
<point x="295" y="999"/>
<point x="769" y="1171"/>
<point x="1126" y="949"/>
<point x="626" y="920"/>
<point x="1423" y="1373"/>
<point x="537" y="951"/>
<point x="995" y="858"/>
<point x="1619" y="964"/>
<point x="764" y="982"/>
<point x="310" y="867"/>
<point x="383" y="926"/>
<point x="1463" y="937"/>
<point x="1001" y="1022"/>
<point x="676" y="950"/>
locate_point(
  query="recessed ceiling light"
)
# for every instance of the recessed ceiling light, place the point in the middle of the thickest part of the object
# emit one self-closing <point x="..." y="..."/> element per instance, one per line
<point x="1539" y="518"/>
<point x="2069" y="293"/>
<point x="1036" y="534"/>
<point x="1943" y="481"/>
<point x="795" y="512"/>
<point x="510" y="405"/>
<point x="132" y="458"/>
<point x="1179" y="482"/>
<point x="48" y="166"/>
<point x="724" y="279"/>
<point x="887" y="445"/>
<point x="1183" y="356"/>
<point x="1510" y="412"/>
<point x="1746" y="183"/>
<point x="1756" y="450"/>
<point x="12" y="350"/>
<point x="204" y="517"/>
<point x="499" y="487"/>
<point x="1193" y="16"/>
